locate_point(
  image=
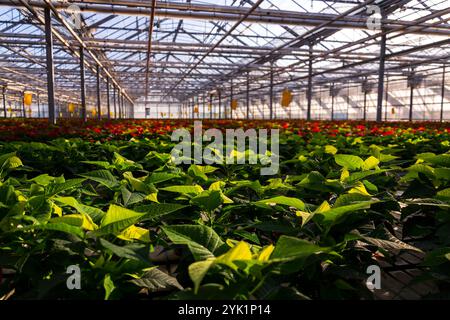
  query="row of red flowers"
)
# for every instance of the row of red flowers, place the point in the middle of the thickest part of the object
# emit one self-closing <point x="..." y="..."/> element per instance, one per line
<point x="39" y="129"/>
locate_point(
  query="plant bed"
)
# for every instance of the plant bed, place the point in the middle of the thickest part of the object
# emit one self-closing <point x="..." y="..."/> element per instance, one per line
<point x="110" y="200"/>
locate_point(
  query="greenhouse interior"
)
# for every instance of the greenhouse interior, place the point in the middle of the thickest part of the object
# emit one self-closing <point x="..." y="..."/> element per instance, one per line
<point x="225" y="150"/>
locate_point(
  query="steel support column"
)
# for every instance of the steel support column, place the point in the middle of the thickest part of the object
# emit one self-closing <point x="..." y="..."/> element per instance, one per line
<point x="411" y="98"/>
<point x="309" y="93"/>
<point x="204" y="104"/>
<point x="381" y="74"/>
<point x="365" y="106"/>
<point x="198" y="107"/>
<point x="231" y="101"/>
<point x="348" y="99"/>
<point x="271" y="93"/>
<point x="23" y="105"/>
<point x="115" y="102"/>
<point x="50" y="66"/>
<point x="99" y="103"/>
<point x="248" y="95"/>
<point x="123" y="106"/>
<point x="386" y="97"/>
<point x="332" y="107"/>
<point x="442" y="94"/>
<point x="108" y="104"/>
<point x="4" y="101"/>
<point x="83" y="86"/>
<point x="119" y="107"/>
<point x="210" y="106"/>
<point x="220" y="104"/>
<point x="38" y="105"/>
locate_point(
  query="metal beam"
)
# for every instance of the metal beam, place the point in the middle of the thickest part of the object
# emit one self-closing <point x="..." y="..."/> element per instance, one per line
<point x="381" y="76"/>
<point x="411" y="100"/>
<point x="365" y="106"/>
<point x="350" y="101"/>
<point x="210" y="106"/>
<point x="176" y="10"/>
<point x="115" y="101"/>
<point x="310" y="76"/>
<point x="231" y="100"/>
<point x="50" y="66"/>
<point x="38" y="105"/>
<point x="23" y="105"/>
<point x="108" y="103"/>
<point x="77" y="37"/>
<point x="203" y="102"/>
<point x="271" y="93"/>
<point x="398" y="31"/>
<point x="247" y="95"/>
<point x="122" y="103"/>
<point x="332" y="107"/>
<point x="149" y="46"/>
<point x="4" y="100"/>
<point x="393" y="101"/>
<point x="442" y="93"/>
<point x="82" y="86"/>
<point x="220" y="103"/>
<point x="99" y="106"/>
<point x="203" y="57"/>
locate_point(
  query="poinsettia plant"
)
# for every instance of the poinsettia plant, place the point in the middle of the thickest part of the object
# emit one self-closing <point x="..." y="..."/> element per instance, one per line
<point x="108" y="198"/>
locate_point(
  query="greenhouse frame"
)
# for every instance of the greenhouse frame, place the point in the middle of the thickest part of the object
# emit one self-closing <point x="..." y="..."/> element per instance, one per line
<point x="176" y="59"/>
<point x="228" y="158"/>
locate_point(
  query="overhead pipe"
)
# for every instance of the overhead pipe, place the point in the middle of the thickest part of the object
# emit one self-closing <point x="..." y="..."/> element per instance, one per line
<point x="149" y="47"/>
<point x="349" y="45"/>
<point x="230" y="31"/>
<point x="230" y="13"/>
<point x="81" y="42"/>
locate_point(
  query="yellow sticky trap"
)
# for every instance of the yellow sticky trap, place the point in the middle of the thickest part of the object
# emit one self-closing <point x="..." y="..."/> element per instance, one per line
<point x="28" y="99"/>
<point x="286" y="98"/>
<point x="234" y="104"/>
